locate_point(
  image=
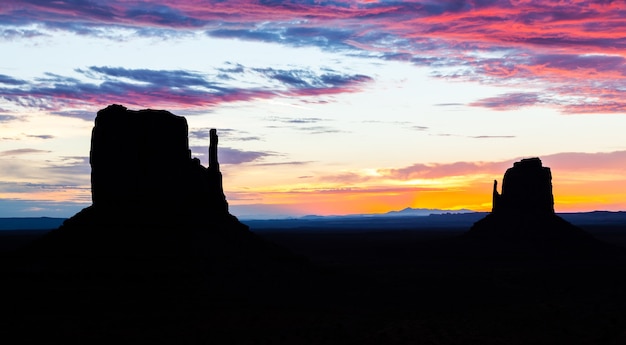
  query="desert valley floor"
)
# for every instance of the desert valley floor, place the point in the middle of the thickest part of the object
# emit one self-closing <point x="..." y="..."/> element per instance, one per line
<point x="352" y="286"/>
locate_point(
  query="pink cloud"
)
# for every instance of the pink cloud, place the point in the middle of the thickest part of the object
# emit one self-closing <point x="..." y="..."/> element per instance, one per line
<point x="553" y="43"/>
<point x="440" y="170"/>
<point x="565" y="162"/>
<point x="591" y="162"/>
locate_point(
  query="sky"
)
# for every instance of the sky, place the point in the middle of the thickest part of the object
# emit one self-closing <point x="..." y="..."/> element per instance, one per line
<point x="323" y="107"/>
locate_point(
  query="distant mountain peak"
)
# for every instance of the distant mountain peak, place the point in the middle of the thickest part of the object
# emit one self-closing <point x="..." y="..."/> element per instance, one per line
<point x="409" y="211"/>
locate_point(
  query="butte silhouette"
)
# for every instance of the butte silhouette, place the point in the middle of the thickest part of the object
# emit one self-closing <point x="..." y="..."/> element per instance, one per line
<point x="151" y="198"/>
<point x="157" y="239"/>
<point x="523" y="222"/>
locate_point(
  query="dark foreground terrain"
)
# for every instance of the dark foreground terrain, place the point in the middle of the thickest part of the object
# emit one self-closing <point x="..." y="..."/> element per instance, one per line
<point x="357" y="286"/>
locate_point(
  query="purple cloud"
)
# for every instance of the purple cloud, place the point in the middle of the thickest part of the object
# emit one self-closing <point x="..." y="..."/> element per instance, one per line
<point x="486" y="41"/>
<point x="509" y="101"/>
<point x="231" y="134"/>
<point x="168" y="88"/>
<point x="5" y="79"/>
<point x="7" y="118"/>
<point x="230" y="155"/>
<point x="19" y="152"/>
<point x="234" y="156"/>
<point x="41" y="136"/>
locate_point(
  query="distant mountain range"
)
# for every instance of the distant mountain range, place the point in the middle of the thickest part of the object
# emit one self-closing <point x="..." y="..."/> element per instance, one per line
<point x="30" y="223"/>
<point x="408" y="218"/>
<point x="42" y="223"/>
<point x="423" y="212"/>
<point x="407" y="212"/>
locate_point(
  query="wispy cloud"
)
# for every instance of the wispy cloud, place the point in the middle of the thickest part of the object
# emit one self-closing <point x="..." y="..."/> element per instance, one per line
<point x="19" y="152"/>
<point x="7" y="118"/>
<point x="297" y="120"/>
<point x="40" y="136"/>
<point x="78" y="114"/>
<point x="311" y="125"/>
<point x="492" y="136"/>
<point x="12" y="33"/>
<point x="354" y="190"/>
<point x="449" y="104"/>
<point x="592" y="164"/>
<point x="235" y="156"/>
<point x="167" y="88"/>
<point x="284" y="163"/>
<point x="509" y="101"/>
<point x="229" y="155"/>
<point x="440" y="170"/>
<point x="23" y="166"/>
<point x="69" y="168"/>
<point x="588" y="162"/>
<point x="482" y="136"/>
<point x="229" y="133"/>
<point x="346" y="177"/>
<point x="5" y="79"/>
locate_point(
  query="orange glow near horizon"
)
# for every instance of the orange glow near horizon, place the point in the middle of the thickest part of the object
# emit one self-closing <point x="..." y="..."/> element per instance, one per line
<point x="439" y="186"/>
<point x="479" y="201"/>
<point x="568" y="197"/>
<point x="471" y="192"/>
<point x="55" y="195"/>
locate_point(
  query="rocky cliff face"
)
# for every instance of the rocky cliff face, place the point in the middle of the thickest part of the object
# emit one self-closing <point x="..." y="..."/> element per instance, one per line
<point x="526" y="189"/>
<point x="525" y="209"/>
<point x="150" y="197"/>
<point x="158" y="230"/>
<point x="141" y="165"/>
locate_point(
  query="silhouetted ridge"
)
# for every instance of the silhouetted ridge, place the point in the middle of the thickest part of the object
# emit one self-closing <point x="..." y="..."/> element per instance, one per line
<point x="523" y="218"/>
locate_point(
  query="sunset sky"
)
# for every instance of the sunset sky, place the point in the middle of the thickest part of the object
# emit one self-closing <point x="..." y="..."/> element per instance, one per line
<point x="323" y="107"/>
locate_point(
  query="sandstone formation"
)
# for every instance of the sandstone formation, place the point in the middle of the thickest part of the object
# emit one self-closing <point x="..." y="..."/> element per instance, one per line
<point x="525" y="208"/>
<point x="141" y="166"/>
<point x="150" y="197"/>
<point x="523" y="221"/>
<point x="526" y="189"/>
<point x="157" y="236"/>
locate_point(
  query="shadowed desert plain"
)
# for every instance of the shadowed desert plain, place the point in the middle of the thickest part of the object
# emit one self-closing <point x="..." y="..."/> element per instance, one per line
<point x="158" y="259"/>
